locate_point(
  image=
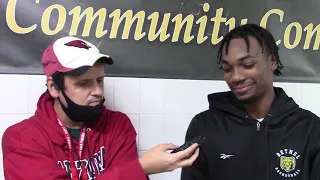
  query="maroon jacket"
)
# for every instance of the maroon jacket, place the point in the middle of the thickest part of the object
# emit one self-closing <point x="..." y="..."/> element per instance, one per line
<point x="36" y="148"/>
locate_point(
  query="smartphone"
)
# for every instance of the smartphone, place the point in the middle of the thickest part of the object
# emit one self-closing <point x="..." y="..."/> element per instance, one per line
<point x="198" y="139"/>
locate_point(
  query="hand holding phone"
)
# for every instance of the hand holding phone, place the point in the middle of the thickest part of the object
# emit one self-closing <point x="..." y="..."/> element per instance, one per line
<point x="158" y="160"/>
<point x="198" y="139"/>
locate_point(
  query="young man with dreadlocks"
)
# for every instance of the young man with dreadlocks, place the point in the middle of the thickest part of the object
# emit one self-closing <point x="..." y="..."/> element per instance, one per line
<point x="255" y="131"/>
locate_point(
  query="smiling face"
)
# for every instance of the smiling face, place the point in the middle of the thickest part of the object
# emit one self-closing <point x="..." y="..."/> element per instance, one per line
<point x="249" y="74"/>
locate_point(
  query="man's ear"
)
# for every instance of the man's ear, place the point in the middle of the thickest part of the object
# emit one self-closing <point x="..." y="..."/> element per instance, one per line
<point x="52" y="88"/>
<point x="273" y="62"/>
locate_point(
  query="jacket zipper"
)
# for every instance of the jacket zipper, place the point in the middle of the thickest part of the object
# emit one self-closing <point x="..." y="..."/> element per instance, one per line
<point x="258" y="126"/>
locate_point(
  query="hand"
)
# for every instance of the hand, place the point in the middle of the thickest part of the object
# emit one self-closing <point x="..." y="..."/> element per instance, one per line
<point x="157" y="160"/>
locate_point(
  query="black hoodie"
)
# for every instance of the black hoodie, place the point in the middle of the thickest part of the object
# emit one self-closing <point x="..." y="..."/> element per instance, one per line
<point x="285" y="145"/>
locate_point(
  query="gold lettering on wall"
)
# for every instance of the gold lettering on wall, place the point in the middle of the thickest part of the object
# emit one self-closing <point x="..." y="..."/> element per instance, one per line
<point x="185" y="28"/>
<point x="310" y="32"/>
<point x="129" y="20"/>
<point x="46" y="19"/>
<point x="264" y="19"/>
<point x="162" y="32"/>
<point x="179" y="23"/>
<point x="203" y="24"/>
<point x="215" y="32"/>
<point x="11" y="19"/>
<point x="90" y="17"/>
<point x="288" y="32"/>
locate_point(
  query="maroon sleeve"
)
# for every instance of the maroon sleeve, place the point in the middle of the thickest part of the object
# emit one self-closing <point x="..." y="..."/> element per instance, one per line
<point x="124" y="154"/>
<point x="21" y="152"/>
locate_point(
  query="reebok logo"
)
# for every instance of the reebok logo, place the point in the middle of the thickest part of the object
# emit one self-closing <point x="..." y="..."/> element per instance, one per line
<point x="225" y="156"/>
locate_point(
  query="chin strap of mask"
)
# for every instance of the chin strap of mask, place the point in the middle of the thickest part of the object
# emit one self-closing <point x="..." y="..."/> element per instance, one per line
<point x="79" y="113"/>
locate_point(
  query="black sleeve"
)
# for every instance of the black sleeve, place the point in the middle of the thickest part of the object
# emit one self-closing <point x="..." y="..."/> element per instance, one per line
<point x="315" y="157"/>
<point x="199" y="169"/>
<point x="315" y="169"/>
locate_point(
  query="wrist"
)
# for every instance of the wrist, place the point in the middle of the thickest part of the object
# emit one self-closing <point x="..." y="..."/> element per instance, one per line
<point x="144" y="165"/>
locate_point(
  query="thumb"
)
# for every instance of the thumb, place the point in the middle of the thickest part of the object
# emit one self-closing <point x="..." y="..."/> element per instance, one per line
<point x="168" y="146"/>
<point x="185" y="153"/>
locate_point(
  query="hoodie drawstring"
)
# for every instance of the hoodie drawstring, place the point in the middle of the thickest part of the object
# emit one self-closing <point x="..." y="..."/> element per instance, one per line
<point x="90" y="157"/>
<point x="267" y="146"/>
<point x="78" y="158"/>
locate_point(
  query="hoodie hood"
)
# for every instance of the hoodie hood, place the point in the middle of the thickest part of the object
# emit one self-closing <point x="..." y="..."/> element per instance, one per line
<point x="46" y="117"/>
<point x="282" y="106"/>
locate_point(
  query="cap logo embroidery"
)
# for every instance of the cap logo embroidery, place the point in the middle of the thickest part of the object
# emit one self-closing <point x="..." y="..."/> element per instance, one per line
<point x="78" y="44"/>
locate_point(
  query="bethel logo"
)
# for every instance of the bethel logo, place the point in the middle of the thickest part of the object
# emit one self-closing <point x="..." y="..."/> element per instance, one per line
<point x="288" y="163"/>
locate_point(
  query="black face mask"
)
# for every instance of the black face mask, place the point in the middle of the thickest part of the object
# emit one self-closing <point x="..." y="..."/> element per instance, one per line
<point x="78" y="113"/>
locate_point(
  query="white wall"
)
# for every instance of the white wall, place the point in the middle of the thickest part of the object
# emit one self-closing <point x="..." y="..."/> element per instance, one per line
<point x="160" y="109"/>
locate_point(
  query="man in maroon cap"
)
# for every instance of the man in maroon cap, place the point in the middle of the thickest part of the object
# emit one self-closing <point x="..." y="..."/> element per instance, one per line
<point x="72" y="134"/>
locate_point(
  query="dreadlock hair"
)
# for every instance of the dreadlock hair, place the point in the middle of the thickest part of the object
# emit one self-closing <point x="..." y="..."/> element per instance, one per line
<point x="263" y="36"/>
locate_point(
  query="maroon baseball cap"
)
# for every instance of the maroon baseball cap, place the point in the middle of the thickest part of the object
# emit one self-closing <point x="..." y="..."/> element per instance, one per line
<point x="71" y="53"/>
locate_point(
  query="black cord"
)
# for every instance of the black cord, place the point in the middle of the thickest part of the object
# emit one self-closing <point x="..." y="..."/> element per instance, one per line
<point x="90" y="157"/>
<point x="78" y="158"/>
<point x="267" y="146"/>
